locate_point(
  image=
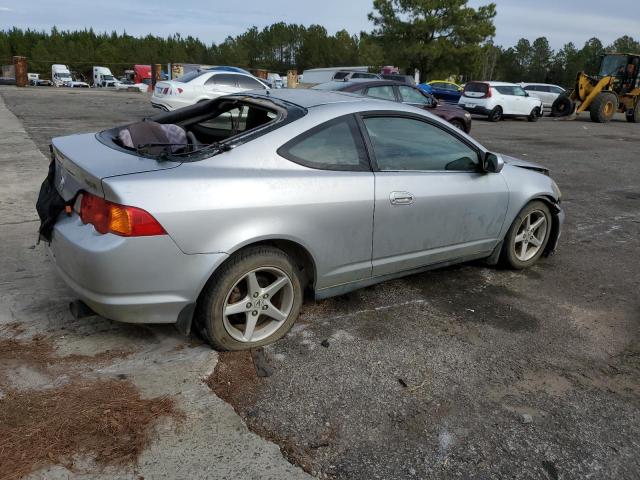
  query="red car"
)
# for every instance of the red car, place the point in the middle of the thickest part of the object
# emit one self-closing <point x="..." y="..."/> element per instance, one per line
<point x="401" y="92"/>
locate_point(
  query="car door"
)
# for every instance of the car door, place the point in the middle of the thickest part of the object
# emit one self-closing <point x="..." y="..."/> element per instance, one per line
<point x="432" y="204"/>
<point x="510" y="103"/>
<point x="221" y="84"/>
<point x="525" y="103"/>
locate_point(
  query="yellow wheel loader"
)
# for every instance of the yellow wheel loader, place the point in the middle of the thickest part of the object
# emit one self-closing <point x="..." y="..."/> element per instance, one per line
<point x="615" y="89"/>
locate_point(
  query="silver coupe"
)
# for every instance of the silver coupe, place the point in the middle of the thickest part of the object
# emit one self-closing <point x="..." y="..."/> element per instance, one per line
<point x="222" y="214"/>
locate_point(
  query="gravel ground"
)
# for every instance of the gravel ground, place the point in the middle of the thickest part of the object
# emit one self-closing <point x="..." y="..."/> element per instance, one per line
<point x="467" y="372"/>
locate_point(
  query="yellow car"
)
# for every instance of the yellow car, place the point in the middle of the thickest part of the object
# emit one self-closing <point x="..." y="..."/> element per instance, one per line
<point x="445" y="90"/>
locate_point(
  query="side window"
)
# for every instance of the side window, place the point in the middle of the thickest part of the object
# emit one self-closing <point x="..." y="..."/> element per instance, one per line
<point x="223" y="79"/>
<point x="544" y="88"/>
<point x="401" y="143"/>
<point x="505" y="90"/>
<point x="531" y="88"/>
<point x="249" y="83"/>
<point x="384" y="92"/>
<point x="412" y="95"/>
<point x="557" y="90"/>
<point x="335" y="145"/>
<point x="518" y="91"/>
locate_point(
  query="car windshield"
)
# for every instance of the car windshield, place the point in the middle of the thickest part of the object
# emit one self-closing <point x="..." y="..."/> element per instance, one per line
<point x="108" y="77"/>
<point x="187" y="77"/>
<point x="613" y="65"/>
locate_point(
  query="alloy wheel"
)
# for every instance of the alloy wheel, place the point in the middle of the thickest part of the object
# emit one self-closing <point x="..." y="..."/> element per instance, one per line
<point x="531" y="235"/>
<point x="258" y="304"/>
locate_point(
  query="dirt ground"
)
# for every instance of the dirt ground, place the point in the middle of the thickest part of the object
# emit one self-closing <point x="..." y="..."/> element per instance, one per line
<point x="469" y="372"/>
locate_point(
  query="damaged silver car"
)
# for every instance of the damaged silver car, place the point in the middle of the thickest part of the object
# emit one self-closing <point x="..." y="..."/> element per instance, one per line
<point x="222" y="214"/>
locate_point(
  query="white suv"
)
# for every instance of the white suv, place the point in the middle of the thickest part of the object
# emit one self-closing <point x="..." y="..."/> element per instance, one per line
<point x="499" y="100"/>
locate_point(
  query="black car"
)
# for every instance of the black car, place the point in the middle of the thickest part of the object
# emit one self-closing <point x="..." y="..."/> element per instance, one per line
<point x="403" y="93"/>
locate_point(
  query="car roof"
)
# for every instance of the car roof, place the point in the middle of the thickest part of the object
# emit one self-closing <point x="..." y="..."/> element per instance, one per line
<point x="541" y="84"/>
<point x="359" y="83"/>
<point x="308" y="98"/>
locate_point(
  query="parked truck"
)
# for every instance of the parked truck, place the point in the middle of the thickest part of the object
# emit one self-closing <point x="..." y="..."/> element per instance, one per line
<point x="61" y="76"/>
<point x="102" y="77"/>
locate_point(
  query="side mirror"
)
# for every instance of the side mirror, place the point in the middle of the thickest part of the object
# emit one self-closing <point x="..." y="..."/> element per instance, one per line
<point x="492" y="163"/>
<point x="526" y="94"/>
<point x="434" y="102"/>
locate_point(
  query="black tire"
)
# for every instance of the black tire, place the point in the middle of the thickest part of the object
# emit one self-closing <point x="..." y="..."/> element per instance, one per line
<point x="508" y="255"/>
<point x="458" y="124"/>
<point x="495" y="115"/>
<point x="633" y="115"/>
<point x="209" y="318"/>
<point x="603" y="107"/>
<point x="534" y="115"/>
<point x="562" y="106"/>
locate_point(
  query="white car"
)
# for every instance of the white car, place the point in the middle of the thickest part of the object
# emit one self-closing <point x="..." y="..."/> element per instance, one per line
<point x="498" y="100"/>
<point x="129" y="86"/>
<point x="201" y="85"/>
<point x="545" y="91"/>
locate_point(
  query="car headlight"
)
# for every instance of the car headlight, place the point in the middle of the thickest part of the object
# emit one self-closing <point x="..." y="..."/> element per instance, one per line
<point x="556" y="190"/>
<point x="467" y="115"/>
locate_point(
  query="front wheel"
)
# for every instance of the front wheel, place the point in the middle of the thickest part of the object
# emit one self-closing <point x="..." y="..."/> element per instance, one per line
<point x="534" y="115"/>
<point x="253" y="300"/>
<point x="496" y="114"/>
<point x="603" y="107"/>
<point x="527" y="237"/>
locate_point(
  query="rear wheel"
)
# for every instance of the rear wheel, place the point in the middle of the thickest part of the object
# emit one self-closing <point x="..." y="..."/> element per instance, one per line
<point x="633" y="115"/>
<point x="534" y="115"/>
<point x="458" y="124"/>
<point x="496" y="114"/>
<point x="562" y="106"/>
<point x="603" y="107"/>
<point x="527" y="237"/>
<point x="253" y="300"/>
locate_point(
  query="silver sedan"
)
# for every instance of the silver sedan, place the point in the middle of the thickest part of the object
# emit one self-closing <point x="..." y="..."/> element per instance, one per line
<point x="220" y="215"/>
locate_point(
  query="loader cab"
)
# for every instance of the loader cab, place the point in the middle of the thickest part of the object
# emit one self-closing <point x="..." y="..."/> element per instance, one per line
<point x="624" y="68"/>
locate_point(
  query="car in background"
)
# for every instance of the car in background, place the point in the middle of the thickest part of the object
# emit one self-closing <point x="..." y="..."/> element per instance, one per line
<point x="125" y="84"/>
<point x="211" y="225"/>
<point x="445" y="90"/>
<point x="545" y="91"/>
<point x="425" y="87"/>
<point x="201" y="85"/>
<point x="36" y="81"/>
<point x="498" y="100"/>
<point x="346" y="75"/>
<point x="402" y="93"/>
<point x="406" y="79"/>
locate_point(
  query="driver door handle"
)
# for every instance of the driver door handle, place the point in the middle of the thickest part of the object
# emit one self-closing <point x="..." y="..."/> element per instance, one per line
<point x="401" y="198"/>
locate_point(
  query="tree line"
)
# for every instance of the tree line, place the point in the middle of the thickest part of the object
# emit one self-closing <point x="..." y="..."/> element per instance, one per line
<point x="441" y="38"/>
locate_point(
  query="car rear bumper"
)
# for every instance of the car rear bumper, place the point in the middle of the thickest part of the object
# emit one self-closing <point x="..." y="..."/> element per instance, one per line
<point x="134" y="280"/>
<point x="477" y="109"/>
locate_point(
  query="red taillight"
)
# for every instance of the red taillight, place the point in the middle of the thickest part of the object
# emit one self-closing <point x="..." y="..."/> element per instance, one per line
<point x="166" y="90"/>
<point x="179" y="90"/>
<point x="109" y="217"/>
<point x="488" y="92"/>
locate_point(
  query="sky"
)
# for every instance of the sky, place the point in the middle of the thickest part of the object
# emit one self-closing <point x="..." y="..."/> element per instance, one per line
<point x="214" y="20"/>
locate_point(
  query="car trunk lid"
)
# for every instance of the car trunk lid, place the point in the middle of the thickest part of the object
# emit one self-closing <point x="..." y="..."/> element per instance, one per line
<point x="82" y="162"/>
